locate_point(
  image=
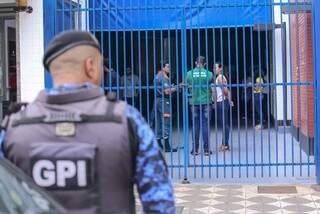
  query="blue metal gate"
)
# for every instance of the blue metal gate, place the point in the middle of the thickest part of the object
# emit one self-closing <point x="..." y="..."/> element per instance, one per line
<point x="250" y="98"/>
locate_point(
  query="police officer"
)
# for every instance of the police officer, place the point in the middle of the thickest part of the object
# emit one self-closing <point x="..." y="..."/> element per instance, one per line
<point x="88" y="151"/>
<point x="161" y="108"/>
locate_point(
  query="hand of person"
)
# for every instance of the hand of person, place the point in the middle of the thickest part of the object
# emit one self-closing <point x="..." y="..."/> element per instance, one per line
<point x="181" y="85"/>
<point x="231" y="104"/>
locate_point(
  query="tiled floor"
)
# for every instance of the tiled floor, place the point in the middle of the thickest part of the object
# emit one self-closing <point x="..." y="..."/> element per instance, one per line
<point x="197" y="199"/>
<point x="238" y="199"/>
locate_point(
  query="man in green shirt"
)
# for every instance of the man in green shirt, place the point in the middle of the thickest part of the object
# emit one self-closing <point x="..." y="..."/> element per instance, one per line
<point x="198" y="81"/>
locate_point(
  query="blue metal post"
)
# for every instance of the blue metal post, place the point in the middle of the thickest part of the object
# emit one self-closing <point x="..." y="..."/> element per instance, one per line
<point x="316" y="60"/>
<point x="48" y="24"/>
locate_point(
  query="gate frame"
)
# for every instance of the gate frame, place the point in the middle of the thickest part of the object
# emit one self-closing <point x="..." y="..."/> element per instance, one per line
<point x="48" y="33"/>
<point x="316" y="63"/>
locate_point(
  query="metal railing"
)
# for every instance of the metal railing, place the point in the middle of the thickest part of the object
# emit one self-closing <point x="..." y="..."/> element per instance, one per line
<point x="263" y="99"/>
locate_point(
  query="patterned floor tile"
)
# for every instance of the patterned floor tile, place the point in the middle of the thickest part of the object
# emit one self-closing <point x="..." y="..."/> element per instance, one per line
<point x="244" y="199"/>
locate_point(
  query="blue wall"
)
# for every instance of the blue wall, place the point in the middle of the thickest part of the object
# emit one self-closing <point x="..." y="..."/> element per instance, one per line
<point x="168" y="14"/>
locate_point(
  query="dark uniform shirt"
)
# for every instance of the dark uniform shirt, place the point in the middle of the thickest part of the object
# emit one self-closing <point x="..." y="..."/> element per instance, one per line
<point x="161" y="83"/>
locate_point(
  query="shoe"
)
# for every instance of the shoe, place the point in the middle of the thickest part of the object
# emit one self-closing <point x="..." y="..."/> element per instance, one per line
<point x="224" y="148"/>
<point x="259" y="127"/>
<point x="195" y="153"/>
<point x="207" y="153"/>
<point x="168" y="147"/>
<point x="171" y="150"/>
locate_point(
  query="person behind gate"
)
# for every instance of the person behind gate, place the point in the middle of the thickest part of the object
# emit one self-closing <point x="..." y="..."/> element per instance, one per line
<point x="161" y="114"/>
<point x="198" y="81"/>
<point x="87" y="150"/>
<point x="129" y="82"/>
<point x="223" y="99"/>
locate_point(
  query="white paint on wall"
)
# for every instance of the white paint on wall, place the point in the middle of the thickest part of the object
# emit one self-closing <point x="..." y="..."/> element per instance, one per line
<point x="31" y="51"/>
<point x="282" y="71"/>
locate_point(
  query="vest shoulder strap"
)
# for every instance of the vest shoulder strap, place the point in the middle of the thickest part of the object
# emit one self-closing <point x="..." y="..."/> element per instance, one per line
<point x="109" y="116"/>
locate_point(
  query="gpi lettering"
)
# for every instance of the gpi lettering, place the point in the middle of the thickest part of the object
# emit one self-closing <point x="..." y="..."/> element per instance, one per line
<point x="47" y="173"/>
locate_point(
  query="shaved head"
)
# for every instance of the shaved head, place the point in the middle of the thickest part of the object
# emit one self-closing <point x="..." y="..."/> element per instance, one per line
<point x="78" y="65"/>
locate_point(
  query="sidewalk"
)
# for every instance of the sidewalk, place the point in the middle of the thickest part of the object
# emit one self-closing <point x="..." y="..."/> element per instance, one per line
<point x="247" y="199"/>
<point x="196" y="199"/>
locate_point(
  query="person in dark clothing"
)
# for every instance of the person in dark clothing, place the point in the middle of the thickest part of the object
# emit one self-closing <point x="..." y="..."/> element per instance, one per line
<point x="161" y="114"/>
<point x="110" y="76"/>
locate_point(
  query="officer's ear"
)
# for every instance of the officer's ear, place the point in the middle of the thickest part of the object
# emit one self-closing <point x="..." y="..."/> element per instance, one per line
<point x="92" y="69"/>
<point x="89" y="67"/>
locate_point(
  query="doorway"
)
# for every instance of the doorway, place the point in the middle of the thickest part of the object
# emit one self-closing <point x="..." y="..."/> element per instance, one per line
<point x="8" y="64"/>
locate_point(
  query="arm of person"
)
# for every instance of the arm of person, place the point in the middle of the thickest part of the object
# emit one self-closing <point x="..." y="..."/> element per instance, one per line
<point x="226" y="91"/>
<point x="168" y="89"/>
<point x="151" y="174"/>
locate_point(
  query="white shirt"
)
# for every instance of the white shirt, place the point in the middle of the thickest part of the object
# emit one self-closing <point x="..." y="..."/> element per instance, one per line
<point x="219" y="92"/>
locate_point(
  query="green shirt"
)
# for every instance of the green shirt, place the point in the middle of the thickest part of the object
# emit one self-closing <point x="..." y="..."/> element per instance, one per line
<point x="199" y="80"/>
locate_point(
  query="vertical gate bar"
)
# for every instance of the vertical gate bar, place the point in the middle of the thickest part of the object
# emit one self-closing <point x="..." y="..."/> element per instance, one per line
<point x="79" y="14"/>
<point x="308" y="86"/>
<point x="253" y="105"/>
<point x="268" y="90"/>
<point x="291" y="77"/>
<point x="176" y="40"/>
<point x="229" y="85"/>
<point x="133" y="82"/>
<point x="215" y="102"/>
<point x="299" y="80"/>
<point x="149" y="116"/>
<point x="200" y="88"/>
<point x="55" y="8"/>
<point x="223" y="109"/>
<point x="238" y="99"/>
<point x="117" y="51"/>
<point x="162" y="85"/>
<point x="101" y="38"/>
<point x="208" y="101"/>
<point x="274" y="83"/>
<point x="245" y="96"/>
<point x="260" y="101"/>
<point x="170" y="98"/>
<point x="140" y="71"/>
<point x="155" y="87"/>
<point x="71" y="26"/>
<point x="192" y="88"/>
<point x="132" y="64"/>
<point x="184" y="98"/>
<point x="109" y="49"/>
<point x="121" y="86"/>
<point x="316" y="72"/>
<point x="63" y="16"/>
<point x="178" y="96"/>
<point x="87" y="15"/>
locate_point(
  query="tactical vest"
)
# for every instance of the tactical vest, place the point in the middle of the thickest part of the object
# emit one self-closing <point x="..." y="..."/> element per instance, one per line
<point x="77" y="146"/>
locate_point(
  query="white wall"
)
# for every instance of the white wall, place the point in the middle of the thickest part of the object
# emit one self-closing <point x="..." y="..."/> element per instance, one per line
<point x="279" y="66"/>
<point x="31" y="44"/>
<point x="31" y="51"/>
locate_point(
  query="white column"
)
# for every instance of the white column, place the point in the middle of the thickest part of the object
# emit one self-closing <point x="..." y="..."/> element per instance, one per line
<point x="279" y="60"/>
<point x="30" y="55"/>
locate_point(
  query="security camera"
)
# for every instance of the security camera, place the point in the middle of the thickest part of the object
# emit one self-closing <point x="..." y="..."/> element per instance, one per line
<point x="29" y="9"/>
